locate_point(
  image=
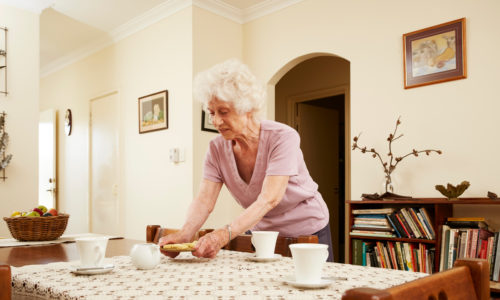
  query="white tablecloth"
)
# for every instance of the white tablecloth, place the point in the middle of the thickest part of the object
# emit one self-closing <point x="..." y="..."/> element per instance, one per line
<point x="228" y="276"/>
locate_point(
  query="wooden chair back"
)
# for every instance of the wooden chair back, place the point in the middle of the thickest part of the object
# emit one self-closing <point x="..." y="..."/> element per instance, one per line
<point x="5" y="282"/>
<point x="467" y="280"/>
<point x="240" y="243"/>
<point x="243" y="243"/>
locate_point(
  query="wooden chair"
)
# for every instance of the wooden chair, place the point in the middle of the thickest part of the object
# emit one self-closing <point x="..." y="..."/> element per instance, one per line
<point x="467" y="280"/>
<point x="241" y="243"/>
<point x="5" y="282"/>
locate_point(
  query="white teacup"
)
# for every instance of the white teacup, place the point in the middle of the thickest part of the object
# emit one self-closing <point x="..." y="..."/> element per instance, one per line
<point x="145" y="256"/>
<point x="309" y="260"/>
<point x="264" y="243"/>
<point x="92" y="250"/>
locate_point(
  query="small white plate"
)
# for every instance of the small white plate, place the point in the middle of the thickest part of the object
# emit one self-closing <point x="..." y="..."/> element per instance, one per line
<point x="263" y="259"/>
<point x="92" y="271"/>
<point x="290" y="280"/>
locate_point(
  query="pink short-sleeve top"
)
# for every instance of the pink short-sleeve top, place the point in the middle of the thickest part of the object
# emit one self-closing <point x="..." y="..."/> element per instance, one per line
<point x="302" y="211"/>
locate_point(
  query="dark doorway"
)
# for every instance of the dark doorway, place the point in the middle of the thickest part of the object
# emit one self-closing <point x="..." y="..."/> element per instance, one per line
<point x="320" y="123"/>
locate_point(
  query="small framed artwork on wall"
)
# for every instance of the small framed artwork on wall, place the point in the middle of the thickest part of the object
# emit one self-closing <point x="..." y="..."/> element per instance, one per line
<point x="153" y="112"/>
<point x="435" y="54"/>
<point x="206" y="122"/>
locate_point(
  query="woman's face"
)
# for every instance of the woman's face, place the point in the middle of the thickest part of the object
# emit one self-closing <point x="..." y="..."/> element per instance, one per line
<point x="226" y="120"/>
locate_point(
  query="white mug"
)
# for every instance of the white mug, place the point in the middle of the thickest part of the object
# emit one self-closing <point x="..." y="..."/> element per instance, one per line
<point x="145" y="256"/>
<point x="309" y="260"/>
<point x="92" y="250"/>
<point x="264" y="243"/>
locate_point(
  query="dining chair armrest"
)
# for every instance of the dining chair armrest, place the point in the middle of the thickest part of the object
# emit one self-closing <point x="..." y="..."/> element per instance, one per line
<point x="5" y="282"/>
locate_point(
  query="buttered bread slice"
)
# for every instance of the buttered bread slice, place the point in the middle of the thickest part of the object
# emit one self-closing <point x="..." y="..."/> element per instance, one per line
<point x="179" y="247"/>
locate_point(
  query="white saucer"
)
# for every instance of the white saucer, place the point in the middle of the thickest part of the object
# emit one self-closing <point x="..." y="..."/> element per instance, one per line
<point x="92" y="271"/>
<point x="263" y="259"/>
<point x="290" y="280"/>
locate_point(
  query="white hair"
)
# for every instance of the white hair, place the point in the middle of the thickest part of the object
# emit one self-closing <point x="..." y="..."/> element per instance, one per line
<point x="230" y="81"/>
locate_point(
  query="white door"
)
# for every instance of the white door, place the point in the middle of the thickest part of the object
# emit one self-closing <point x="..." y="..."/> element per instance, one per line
<point x="104" y="165"/>
<point x="47" y="159"/>
<point x="318" y="128"/>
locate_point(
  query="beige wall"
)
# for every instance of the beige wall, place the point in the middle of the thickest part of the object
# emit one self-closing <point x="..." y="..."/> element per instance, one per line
<point x="458" y="117"/>
<point x="215" y="39"/>
<point x="152" y="190"/>
<point x="20" y="190"/>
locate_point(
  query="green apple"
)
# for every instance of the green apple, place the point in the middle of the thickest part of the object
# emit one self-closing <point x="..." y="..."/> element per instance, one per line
<point x="39" y="211"/>
<point x="32" y="214"/>
<point x="42" y="208"/>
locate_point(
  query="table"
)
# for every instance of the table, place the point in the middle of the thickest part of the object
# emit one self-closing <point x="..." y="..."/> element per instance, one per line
<point x="229" y="276"/>
<point x="43" y="254"/>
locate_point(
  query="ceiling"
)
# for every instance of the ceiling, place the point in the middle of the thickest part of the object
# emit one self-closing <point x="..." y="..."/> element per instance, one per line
<point x="73" y="29"/>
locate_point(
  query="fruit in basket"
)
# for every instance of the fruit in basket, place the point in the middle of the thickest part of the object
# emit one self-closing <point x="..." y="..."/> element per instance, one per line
<point x="47" y="214"/>
<point x="53" y="212"/>
<point x="33" y="214"/>
<point x="42" y="208"/>
<point x="15" y="214"/>
<point x="39" y="211"/>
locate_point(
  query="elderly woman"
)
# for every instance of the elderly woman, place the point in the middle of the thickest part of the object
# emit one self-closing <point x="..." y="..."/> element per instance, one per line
<point x="259" y="161"/>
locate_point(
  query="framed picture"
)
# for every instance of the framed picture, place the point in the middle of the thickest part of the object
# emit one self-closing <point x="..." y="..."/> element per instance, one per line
<point x="206" y="122"/>
<point x="435" y="54"/>
<point x="153" y="112"/>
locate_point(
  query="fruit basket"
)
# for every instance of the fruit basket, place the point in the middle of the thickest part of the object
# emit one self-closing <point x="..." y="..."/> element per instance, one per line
<point x="37" y="229"/>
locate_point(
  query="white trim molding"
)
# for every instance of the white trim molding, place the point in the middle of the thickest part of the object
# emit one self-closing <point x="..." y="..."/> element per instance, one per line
<point x="153" y="16"/>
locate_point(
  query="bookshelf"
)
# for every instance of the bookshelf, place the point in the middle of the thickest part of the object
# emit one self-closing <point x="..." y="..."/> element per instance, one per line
<point x="439" y="209"/>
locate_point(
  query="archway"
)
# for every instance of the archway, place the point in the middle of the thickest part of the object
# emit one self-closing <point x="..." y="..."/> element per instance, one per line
<point x="311" y="94"/>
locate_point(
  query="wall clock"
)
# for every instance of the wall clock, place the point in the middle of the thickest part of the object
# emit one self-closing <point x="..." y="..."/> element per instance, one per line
<point x="68" y="122"/>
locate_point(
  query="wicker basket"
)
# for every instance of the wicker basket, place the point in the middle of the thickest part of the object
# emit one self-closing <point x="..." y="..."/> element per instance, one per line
<point x="37" y="228"/>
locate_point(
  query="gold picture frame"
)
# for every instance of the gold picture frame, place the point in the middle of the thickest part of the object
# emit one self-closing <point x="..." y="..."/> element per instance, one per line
<point x="435" y="54"/>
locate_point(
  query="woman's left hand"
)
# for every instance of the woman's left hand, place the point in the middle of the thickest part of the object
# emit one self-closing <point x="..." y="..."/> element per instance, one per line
<point x="210" y="244"/>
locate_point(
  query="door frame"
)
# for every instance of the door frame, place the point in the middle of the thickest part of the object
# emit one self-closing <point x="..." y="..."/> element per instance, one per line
<point x="120" y="207"/>
<point x="324" y="93"/>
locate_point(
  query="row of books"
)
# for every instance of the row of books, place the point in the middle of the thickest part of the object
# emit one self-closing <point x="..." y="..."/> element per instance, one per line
<point x="416" y="257"/>
<point x="387" y="222"/>
<point x="469" y="238"/>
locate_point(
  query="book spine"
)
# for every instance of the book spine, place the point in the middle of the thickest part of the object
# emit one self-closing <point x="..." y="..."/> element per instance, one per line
<point x="427" y="220"/>
<point x="473" y="250"/>
<point x="496" y="268"/>
<point x="399" y="225"/>
<point x="452" y="247"/>
<point x="405" y="224"/>
<point x="419" y="225"/>
<point x="493" y="254"/>
<point x="424" y="226"/>
<point x="393" y="226"/>
<point x="408" y="256"/>
<point x="356" y="252"/>
<point x="409" y="220"/>
<point x="363" y="252"/>
<point x="444" y="248"/>
<point x="491" y="241"/>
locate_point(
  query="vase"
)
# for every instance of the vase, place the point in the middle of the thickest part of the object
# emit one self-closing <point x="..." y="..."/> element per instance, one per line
<point x="389" y="184"/>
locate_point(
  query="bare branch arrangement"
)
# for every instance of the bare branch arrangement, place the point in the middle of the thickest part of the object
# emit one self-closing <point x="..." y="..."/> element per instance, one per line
<point x="390" y="165"/>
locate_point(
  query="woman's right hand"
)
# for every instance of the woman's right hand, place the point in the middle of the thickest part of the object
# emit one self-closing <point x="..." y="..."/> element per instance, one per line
<point x="173" y="238"/>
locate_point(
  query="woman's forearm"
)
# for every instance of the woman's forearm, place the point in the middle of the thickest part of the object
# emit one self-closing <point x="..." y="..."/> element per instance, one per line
<point x="201" y="207"/>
